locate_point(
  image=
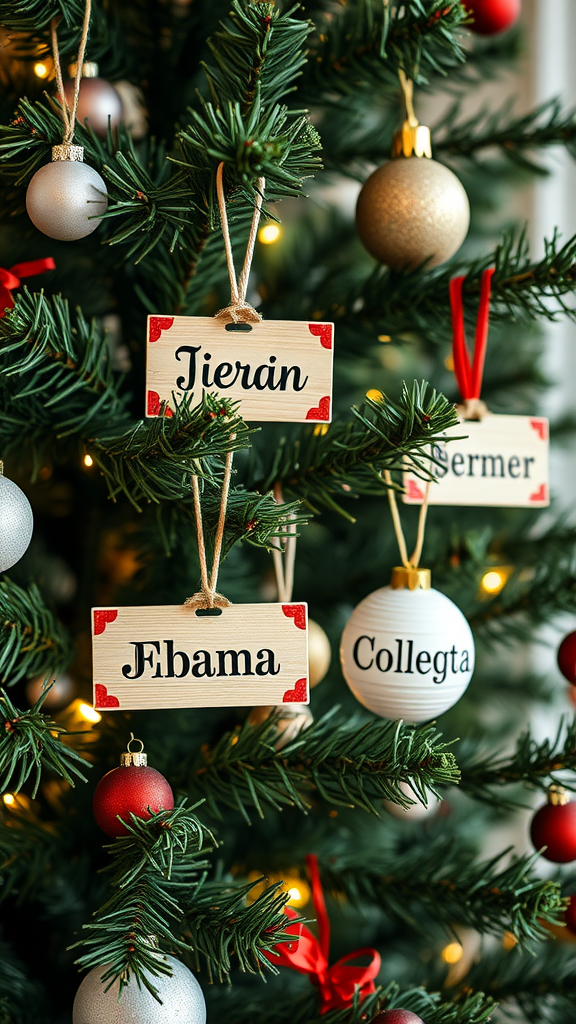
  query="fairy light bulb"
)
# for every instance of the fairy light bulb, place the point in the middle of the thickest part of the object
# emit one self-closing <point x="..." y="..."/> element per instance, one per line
<point x="269" y="233"/>
<point x="493" y="581"/>
<point x="452" y="953"/>
<point x="9" y="800"/>
<point x="375" y="394"/>
<point x="89" y="713"/>
<point x="88" y="461"/>
<point x="41" y="69"/>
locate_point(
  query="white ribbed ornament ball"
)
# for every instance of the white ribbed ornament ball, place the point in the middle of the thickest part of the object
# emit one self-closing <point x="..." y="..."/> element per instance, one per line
<point x="66" y="198"/>
<point x="16" y="523"/>
<point x="407" y="653"/>
<point x="181" y="995"/>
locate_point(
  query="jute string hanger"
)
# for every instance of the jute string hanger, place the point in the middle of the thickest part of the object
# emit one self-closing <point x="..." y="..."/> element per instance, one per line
<point x="284" y="557"/>
<point x="67" y="113"/>
<point x="238" y="310"/>
<point x="414" y="560"/>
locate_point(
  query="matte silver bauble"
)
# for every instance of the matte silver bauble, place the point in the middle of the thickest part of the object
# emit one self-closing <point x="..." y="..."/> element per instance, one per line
<point x="16" y="523"/>
<point x="181" y="995"/>
<point x="97" y="101"/>
<point x="66" y="200"/>
<point x="410" y="211"/>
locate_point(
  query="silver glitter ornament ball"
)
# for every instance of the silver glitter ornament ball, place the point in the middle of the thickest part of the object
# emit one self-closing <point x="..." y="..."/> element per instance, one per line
<point x="181" y="995"/>
<point x="412" y="210"/>
<point x="66" y="200"/>
<point x="16" y="522"/>
<point x="97" y="101"/>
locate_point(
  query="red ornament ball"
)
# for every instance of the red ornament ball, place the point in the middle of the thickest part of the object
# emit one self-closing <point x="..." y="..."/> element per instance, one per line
<point x="130" y="789"/>
<point x="570" y="915"/>
<point x="492" y="16"/>
<point x="554" y="826"/>
<point x="397" y="1017"/>
<point x="567" y="658"/>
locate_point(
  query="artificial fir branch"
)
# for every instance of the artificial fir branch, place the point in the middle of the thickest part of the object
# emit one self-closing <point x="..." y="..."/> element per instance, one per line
<point x="348" y="459"/>
<point x="159" y="889"/>
<point x="485" y="895"/>
<point x="473" y="1008"/>
<point x="338" y="759"/>
<point x="365" y="44"/>
<point x="28" y="850"/>
<point x="532" y="764"/>
<point x="32" y="641"/>
<point x="31" y="741"/>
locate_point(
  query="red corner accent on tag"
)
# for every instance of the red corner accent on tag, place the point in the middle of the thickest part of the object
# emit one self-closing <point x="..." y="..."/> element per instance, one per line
<point x="102" y="618"/>
<point x="540" y="495"/>
<point x="541" y="428"/>
<point x="296" y="612"/>
<point x="321" y="412"/>
<point x="154" y="405"/>
<point x="322" y="331"/>
<point x="157" y="325"/>
<point x="298" y="695"/>
<point x="104" y="699"/>
<point x="413" y="492"/>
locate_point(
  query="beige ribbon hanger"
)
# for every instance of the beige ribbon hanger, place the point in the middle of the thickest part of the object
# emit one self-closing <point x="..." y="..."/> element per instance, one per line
<point x="238" y="310"/>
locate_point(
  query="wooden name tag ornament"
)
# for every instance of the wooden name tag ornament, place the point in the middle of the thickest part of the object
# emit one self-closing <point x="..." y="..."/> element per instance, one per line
<point x="504" y="459"/>
<point x="279" y="370"/>
<point x="171" y="656"/>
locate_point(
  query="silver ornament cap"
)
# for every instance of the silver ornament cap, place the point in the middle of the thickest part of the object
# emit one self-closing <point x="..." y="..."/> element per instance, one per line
<point x="16" y="523"/>
<point x="182" y="1000"/>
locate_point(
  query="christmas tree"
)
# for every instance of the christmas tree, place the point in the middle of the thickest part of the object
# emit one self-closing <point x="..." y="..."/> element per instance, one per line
<point x="188" y="190"/>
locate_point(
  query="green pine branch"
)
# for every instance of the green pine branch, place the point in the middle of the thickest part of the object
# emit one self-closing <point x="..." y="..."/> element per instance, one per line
<point x="31" y="742"/>
<point x="453" y="889"/>
<point x="338" y="760"/>
<point x="32" y="641"/>
<point x="475" y="1008"/>
<point x="365" y="44"/>
<point x="542" y="987"/>
<point x="160" y="895"/>
<point x="531" y="764"/>
<point x="28" y="850"/>
<point x="348" y="459"/>
<point x="514" y="136"/>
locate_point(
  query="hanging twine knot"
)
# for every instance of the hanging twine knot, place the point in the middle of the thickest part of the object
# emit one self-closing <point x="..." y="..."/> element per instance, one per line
<point x="206" y="599"/>
<point x="337" y="983"/>
<point x="238" y="310"/>
<point x="10" y="279"/>
<point x="469" y="372"/>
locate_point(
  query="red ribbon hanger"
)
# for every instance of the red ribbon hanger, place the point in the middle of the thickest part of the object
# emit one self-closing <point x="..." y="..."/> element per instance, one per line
<point x="469" y="375"/>
<point x="309" y="955"/>
<point x="10" y="279"/>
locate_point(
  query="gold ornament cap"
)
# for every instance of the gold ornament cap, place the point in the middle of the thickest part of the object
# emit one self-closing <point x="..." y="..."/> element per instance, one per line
<point x="412" y="140"/>
<point x="67" y="151"/>
<point x="410" y="578"/>
<point x="558" y="796"/>
<point x="135" y="757"/>
<point x="89" y="69"/>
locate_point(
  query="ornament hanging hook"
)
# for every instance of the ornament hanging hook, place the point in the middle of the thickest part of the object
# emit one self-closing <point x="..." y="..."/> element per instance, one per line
<point x="134" y="739"/>
<point x="413" y="138"/>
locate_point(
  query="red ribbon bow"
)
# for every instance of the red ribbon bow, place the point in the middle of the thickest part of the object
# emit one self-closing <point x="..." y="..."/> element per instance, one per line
<point x="10" y="279"/>
<point x="309" y="955"/>
<point x="469" y="376"/>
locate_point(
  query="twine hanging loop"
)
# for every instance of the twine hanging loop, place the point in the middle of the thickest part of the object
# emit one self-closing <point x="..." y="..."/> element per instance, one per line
<point x="238" y="310"/>
<point x="67" y="112"/>
<point x="208" y="596"/>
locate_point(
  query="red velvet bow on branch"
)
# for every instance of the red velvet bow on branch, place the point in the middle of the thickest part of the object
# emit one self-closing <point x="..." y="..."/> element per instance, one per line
<point x="309" y="955"/>
<point x="10" y="279"/>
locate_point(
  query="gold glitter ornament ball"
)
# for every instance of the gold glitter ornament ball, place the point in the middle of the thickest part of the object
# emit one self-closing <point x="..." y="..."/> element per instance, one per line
<point x="412" y="210"/>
